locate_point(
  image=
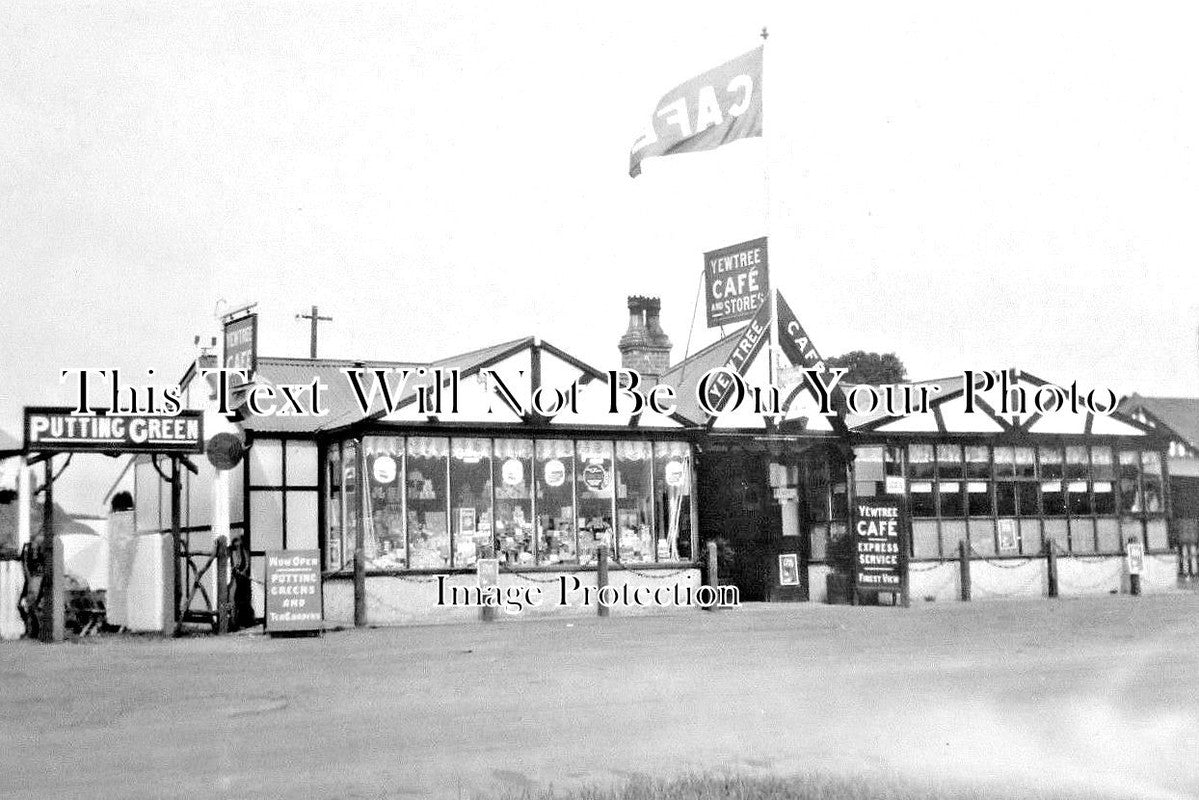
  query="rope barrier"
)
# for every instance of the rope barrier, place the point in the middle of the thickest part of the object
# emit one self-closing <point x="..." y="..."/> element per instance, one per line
<point x="655" y="575"/>
<point x="929" y="567"/>
<point x="998" y="563"/>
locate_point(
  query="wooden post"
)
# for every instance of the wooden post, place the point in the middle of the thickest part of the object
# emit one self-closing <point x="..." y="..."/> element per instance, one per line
<point x="601" y="577"/>
<point x="52" y="623"/>
<point x="58" y="592"/>
<point x="1051" y="563"/>
<point x="222" y="586"/>
<point x="964" y="568"/>
<point x="177" y="540"/>
<point x="713" y="578"/>
<point x="486" y="613"/>
<point x="359" y="587"/>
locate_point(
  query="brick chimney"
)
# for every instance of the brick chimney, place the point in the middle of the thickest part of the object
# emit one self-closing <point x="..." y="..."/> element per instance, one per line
<point x="645" y="347"/>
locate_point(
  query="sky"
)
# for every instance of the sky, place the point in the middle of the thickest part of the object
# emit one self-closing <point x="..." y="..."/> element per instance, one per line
<point x="1014" y="186"/>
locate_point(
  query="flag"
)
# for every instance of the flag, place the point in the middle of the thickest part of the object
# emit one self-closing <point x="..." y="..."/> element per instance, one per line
<point x="720" y="106"/>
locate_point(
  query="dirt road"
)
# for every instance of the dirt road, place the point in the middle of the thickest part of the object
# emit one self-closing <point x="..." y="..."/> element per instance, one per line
<point x="1097" y="693"/>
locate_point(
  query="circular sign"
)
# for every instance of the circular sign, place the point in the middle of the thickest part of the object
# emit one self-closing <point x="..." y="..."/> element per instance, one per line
<point x="513" y="472"/>
<point x="595" y="476"/>
<point x="384" y="469"/>
<point x="674" y="473"/>
<point x="555" y="472"/>
<point x="225" y="450"/>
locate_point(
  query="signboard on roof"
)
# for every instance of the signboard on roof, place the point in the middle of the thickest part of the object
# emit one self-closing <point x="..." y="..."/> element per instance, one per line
<point x="737" y="281"/>
<point x="748" y="346"/>
<point x="61" y="430"/>
<point x="241" y="347"/>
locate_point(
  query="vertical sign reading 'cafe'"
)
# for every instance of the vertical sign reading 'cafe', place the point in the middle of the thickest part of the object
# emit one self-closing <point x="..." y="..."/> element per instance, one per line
<point x="241" y="346"/>
<point x="880" y="546"/>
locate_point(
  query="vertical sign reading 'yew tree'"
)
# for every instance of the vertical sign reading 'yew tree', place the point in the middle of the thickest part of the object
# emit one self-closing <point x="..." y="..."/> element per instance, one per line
<point x="880" y="547"/>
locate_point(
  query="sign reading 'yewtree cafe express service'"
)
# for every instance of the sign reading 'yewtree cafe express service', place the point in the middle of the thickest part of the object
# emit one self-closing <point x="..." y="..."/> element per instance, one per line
<point x="62" y="431"/>
<point x="293" y="591"/>
<point x="738" y="282"/>
<point x="880" y="553"/>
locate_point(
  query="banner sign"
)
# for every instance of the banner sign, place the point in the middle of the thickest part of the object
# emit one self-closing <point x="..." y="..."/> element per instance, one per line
<point x="753" y="337"/>
<point x="794" y="340"/>
<point x="241" y="346"/>
<point x="720" y="106"/>
<point x="293" y="591"/>
<point x="62" y="431"/>
<point x="879" y="531"/>
<point x="737" y="281"/>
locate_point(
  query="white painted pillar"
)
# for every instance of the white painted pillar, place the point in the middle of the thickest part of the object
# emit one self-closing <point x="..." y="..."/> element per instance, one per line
<point x="220" y="504"/>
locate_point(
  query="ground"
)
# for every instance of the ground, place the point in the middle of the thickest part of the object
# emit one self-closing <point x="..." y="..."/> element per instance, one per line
<point x="1097" y="694"/>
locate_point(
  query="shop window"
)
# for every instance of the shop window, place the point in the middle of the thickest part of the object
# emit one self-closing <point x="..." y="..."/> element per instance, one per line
<point x="470" y="498"/>
<point x="1103" y="472"/>
<point x="555" y="464"/>
<point x="1131" y="499"/>
<point x="266" y="520"/>
<point x="335" y="526"/>
<point x="921" y="465"/>
<point x="634" y="502"/>
<point x="978" y="499"/>
<point x="266" y="462"/>
<point x="594" y="486"/>
<point x="978" y="463"/>
<point x="1005" y="463"/>
<point x="1026" y="463"/>
<point x="514" y="500"/>
<point x="383" y="538"/>
<point x="1151" y="475"/>
<point x="301" y="463"/>
<point x="950" y="493"/>
<point x="1078" y="465"/>
<point x="1051" y="463"/>
<point x="949" y="462"/>
<point x="1028" y="499"/>
<point x="425" y="481"/>
<point x="920" y="499"/>
<point x="1005" y="498"/>
<point x="672" y="490"/>
<point x="301" y="519"/>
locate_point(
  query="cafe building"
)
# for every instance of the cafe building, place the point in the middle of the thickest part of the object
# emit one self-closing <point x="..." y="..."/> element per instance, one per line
<point x="425" y="489"/>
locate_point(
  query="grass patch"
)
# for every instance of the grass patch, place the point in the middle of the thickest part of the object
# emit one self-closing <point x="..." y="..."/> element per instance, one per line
<point x="808" y="786"/>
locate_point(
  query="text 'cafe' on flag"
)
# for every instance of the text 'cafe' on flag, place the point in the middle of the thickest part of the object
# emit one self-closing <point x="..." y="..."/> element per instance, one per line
<point x="719" y="106"/>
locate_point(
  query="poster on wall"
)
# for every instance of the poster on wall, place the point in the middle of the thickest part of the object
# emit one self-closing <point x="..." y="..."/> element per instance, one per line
<point x="879" y="530"/>
<point x="294" y="600"/>
<point x="737" y="281"/>
<point x="789" y="569"/>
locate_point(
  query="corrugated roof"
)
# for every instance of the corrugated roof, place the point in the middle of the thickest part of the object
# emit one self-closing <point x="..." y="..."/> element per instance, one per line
<point x="1179" y="414"/>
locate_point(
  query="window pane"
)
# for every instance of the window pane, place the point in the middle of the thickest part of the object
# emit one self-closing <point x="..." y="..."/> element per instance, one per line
<point x="920" y="462"/>
<point x="301" y="520"/>
<point x="351" y="504"/>
<point x="593" y="482"/>
<point x="949" y="462"/>
<point x="978" y="463"/>
<point x="1103" y="466"/>
<point x="1077" y="464"/>
<point x="428" y="531"/>
<point x="672" y="487"/>
<point x="1151" y="465"/>
<point x="1005" y="498"/>
<point x="301" y="463"/>
<point x="1079" y="498"/>
<point x="555" y="502"/>
<point x="1026" y="462"/>
<point x="1105" y="497"/>
<point x="1053" y="498"/>
<point x="893" y="461"/>
<point x="920" y="497"/>
<point x="1130" y="483"/>
<point x="333" y="511"/>
<point x="951" y="498"/>
<point x="978" y="498"/>
<point x="634" y="501"/>
<point x="266" y="520"/>
<point x="1028" y="499"/>
<point x="1005" y="462"/>
<point x="383" y="540"/>
<point x="266" y="463"/>
<point x="514" y="500"/>
<point x="470" y="498"/>
<point x="1051" y="462"/>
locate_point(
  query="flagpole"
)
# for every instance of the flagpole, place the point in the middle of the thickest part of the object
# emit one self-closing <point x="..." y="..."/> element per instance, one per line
<point x="772" y="361"/>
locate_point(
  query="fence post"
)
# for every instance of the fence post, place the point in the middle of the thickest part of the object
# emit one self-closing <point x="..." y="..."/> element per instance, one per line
<point x="1051" y="563"/>
<point x="359" y="588"/>
<point x="601" y="578"/>
<point x="964" y="568"/>
<point x="222" y="586"/>
<point x="487" y="613"/>
<point x="713" y="575"/>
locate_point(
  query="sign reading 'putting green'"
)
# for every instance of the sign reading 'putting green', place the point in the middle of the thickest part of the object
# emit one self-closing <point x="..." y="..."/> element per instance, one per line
<point x="60" y="430"/>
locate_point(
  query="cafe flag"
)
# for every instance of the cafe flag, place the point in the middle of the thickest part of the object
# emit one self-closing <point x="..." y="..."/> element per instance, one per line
<point x="720" y="106"/>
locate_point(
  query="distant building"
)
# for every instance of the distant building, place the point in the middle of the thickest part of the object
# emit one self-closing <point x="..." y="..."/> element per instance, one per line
<point x="1178" y="419"/>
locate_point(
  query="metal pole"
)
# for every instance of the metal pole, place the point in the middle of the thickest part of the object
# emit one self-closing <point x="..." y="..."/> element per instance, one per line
<point x="713" y="576"/>
<point x="177" y="540"/>
<point x="964" y="568"/>
<point x="601" y="577"/>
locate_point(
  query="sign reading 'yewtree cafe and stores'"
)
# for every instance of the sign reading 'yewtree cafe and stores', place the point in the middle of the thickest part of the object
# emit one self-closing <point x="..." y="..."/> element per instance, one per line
<point x="879" y="535"/>
<point x="61" y="430"/>
<point x="738" y="282"/>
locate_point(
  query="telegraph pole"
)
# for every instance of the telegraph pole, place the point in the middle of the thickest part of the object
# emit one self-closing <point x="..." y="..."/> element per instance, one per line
<point x="315" y="318"/>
